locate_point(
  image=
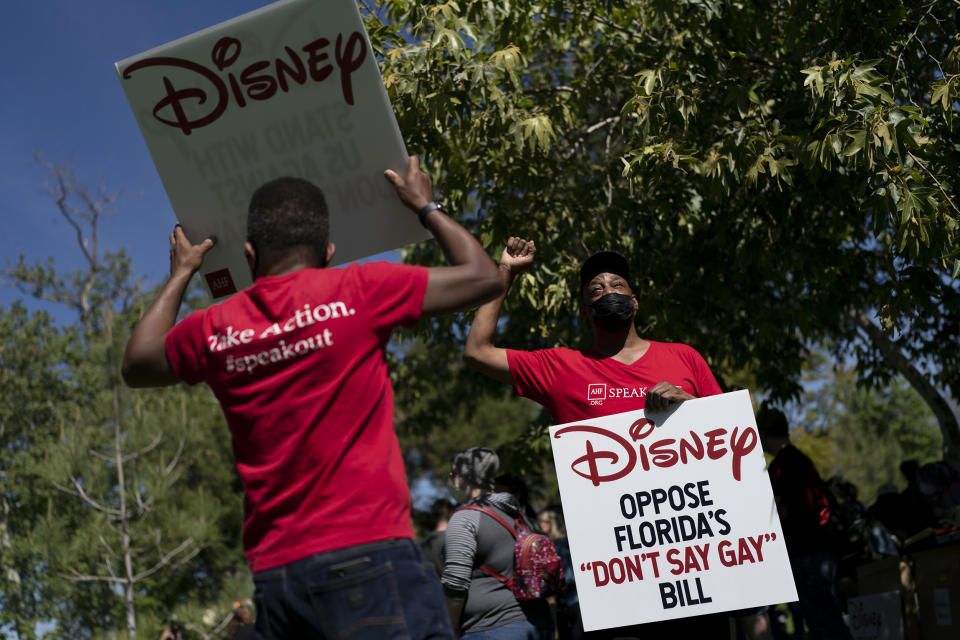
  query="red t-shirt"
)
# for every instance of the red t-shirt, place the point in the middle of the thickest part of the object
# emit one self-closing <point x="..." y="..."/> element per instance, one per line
<point x="297" y="363"/>
<point x="575" y="385"/>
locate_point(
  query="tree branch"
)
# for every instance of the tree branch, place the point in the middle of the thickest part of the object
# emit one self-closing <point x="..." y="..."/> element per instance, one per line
<point x="78" y="577"/>
<point x="165" y="560"/>
<point x="150" y="447"/>
<point x="937" y="182"/>
<point x="78" y="491"/>
<point x="220" y="627"/>
<point x="176" y="459"/>
<point x="941" y="408"/>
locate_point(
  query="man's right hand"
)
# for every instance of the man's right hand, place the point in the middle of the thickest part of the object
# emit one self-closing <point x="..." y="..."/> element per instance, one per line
<point x="415" y="189"/>
<point x="186" y="258"/>
<point x="518" y="255"/>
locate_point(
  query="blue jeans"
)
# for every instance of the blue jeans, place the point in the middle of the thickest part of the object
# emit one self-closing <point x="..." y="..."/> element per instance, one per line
<point x="381" y="590"/>
<point x="536" y="627"/>
<point x="814" y="574"/>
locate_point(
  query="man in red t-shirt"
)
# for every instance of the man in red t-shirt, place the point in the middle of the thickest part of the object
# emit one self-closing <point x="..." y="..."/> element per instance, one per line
<point x="620" y="372"/>
<point x="297" y="362"/>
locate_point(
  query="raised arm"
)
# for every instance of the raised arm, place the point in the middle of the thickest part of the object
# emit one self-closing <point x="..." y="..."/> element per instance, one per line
<point x="480" y="353"/>
<point x="145" y="361"/>
<point x="472" y="278"/>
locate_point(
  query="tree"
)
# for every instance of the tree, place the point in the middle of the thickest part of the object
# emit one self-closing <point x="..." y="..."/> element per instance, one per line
<point x="779" y="174"/>
<point x="142" y="515"/>
<point x="29" y="357"/>
<point x="863" y="434"/>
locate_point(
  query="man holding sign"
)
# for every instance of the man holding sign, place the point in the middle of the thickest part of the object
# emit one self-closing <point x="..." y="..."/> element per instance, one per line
<point x="620" y="372"/>
<point x="297" y="362"/>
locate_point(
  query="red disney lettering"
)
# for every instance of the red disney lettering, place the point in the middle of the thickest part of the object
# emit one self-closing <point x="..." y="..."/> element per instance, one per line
<point x="667" y="452"/>
<point x="590" y="458"/>
<point x="663" y="453"/>
<point x="193" y="107"/>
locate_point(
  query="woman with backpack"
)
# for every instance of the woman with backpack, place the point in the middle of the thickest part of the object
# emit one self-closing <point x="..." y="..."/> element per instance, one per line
<point x="488" y="596"/>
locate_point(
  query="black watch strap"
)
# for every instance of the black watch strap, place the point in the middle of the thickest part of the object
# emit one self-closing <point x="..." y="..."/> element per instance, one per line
<point x="430" y="206"/>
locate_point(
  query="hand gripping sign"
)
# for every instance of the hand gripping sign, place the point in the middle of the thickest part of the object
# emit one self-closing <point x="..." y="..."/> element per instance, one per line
<point x="292" y="89"/>
<point x="670" y="515"/>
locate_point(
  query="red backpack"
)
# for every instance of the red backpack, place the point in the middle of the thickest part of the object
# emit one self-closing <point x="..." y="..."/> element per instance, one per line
<point x="537" y="569"/>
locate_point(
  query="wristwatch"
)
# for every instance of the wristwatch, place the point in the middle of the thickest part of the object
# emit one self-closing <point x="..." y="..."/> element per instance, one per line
<point x="430" y="206"/>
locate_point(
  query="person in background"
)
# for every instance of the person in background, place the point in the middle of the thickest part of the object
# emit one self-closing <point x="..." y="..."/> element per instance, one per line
<point x="432" y="544"/>
<point x="481" y="606"/>
<point x="569" y="620"/>
<point x="805" y="507"/>
<point x="242" y="624"/>
<point x="514" y="484"/>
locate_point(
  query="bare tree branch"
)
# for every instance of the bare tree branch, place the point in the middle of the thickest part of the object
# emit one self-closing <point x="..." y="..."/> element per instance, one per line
<point x="150" y="447"/>
<point x="165" y="560"/>
<point x="78" y="577"/>
<point x="176" y="459"/>
<point x="78" y="491"/>
<point x="220" y="627"/>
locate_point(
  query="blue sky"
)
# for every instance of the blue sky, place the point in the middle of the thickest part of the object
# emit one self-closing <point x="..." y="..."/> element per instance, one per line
<point x="62" y="98"/>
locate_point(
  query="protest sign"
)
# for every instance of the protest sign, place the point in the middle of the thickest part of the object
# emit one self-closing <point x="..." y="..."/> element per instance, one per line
<point x="876" y="616"/>
<point x="670" y="514"/>
<point x="292" y="89"/>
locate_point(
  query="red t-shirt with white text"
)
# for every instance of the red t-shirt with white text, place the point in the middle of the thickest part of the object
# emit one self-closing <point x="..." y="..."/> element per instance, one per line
<point x="297" y="363"/>
<point x="576" y="385"/>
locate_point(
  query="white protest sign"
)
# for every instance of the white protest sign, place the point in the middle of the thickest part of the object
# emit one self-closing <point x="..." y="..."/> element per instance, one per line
<point x="292" y="89"/>
<point x="670" y="515"/>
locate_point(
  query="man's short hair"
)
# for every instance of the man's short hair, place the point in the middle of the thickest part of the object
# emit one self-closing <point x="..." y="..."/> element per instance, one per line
<point x="772" y="422"/>
<point x="288" y="213"/>
<point x="604" y="262"/>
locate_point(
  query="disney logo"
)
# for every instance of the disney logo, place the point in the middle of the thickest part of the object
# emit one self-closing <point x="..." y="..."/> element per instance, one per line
<point x="590" y="458"/>
<point x="209" y="95"/>
<point x="714" y="444"/>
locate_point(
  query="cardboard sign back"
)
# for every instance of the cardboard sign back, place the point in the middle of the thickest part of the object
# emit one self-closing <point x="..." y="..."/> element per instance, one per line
<point x="670" y="515"/>
<point x="292" y="89"/>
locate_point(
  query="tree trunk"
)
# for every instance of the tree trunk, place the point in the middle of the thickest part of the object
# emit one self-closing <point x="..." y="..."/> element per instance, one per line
<point x="946" y="417"/>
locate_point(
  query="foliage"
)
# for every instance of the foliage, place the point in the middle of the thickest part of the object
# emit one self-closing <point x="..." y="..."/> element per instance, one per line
<point x="863" y="434"/>
<point x="433" y="422"/>
<point x="775" y="171"/>
<point x="122" y="506"/>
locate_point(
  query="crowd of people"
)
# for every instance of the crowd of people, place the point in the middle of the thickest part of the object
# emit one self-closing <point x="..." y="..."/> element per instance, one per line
<point x="327" y="523"/>
<point x="828" y="533"/>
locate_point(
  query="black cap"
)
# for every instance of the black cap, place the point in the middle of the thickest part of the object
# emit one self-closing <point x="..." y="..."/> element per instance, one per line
<point x="604" y="262"/>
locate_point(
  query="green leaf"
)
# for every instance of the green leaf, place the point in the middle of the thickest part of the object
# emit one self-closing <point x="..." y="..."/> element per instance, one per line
<point x="940" y="94"/>
<point x="856" y="143"/>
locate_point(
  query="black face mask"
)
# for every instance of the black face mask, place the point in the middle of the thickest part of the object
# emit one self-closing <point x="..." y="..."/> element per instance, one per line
<point x="613" y="312"/>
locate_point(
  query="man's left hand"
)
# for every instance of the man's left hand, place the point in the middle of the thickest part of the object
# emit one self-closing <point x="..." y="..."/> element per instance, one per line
<point x="663" y="394"/>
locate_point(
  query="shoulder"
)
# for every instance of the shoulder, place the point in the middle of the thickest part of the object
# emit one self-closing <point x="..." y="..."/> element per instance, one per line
<point x="678" y="348"/>
<point x="551" y="353"/>
<point x="194" y="321"/>
<point x="462" y="521"/>
<point x="382" y="269"/>
<point x="680" y="351"/>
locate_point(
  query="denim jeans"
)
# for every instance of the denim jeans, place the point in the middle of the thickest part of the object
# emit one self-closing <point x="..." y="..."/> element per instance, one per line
<point x="814" y="574"/>
<point x="533" y="628"/>
<point x="377" y="591"/>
